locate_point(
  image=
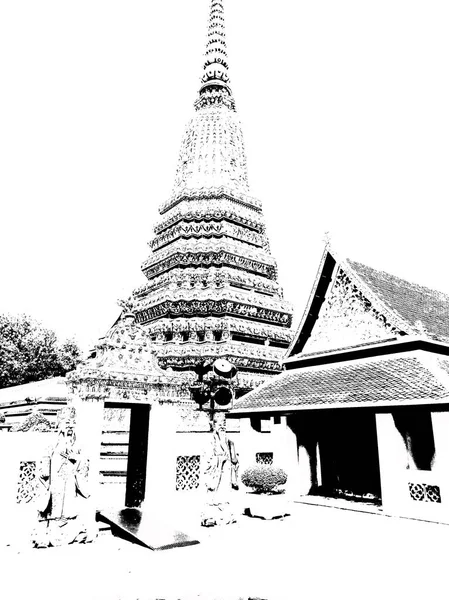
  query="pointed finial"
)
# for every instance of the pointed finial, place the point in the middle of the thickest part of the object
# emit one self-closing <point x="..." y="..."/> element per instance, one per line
<point x="215" y="79"/>
<point x="129" y="307"/>
<point x="216" y="57"/>
<point x="327" y="238"/>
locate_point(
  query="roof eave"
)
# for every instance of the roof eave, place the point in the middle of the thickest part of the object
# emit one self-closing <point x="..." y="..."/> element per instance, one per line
<point x="312" y="297"/>
<point x="293" y="408"/>
<point x="385" y="347"/>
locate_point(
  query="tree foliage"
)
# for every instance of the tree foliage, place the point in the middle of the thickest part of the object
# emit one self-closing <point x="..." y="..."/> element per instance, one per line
<point x="30" y="352"/>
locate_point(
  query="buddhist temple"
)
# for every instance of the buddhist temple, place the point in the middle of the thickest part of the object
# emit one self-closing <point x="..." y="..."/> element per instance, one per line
<point x="211" y="292"/>
<point x="212" y="288"/>
<point x="361" y="412"/>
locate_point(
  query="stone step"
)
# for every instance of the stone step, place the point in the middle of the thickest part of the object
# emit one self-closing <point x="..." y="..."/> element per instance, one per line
<point x="114" y="450"/>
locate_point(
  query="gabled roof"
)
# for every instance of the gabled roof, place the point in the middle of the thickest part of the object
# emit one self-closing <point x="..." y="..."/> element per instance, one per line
<point x="413" y="309"/>
<point x="412" y="378"/>
<point x="47" y="389"/>
<point x="414" y="303"/>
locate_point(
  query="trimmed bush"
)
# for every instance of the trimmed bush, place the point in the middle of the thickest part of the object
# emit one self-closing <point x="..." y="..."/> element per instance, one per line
<point x="264" y="478"/>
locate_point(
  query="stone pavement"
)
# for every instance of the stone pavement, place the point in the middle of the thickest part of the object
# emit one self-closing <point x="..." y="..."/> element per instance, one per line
<point x="317" y="552"/>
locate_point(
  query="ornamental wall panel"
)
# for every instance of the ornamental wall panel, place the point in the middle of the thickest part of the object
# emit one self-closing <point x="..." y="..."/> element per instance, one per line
<point x="348" y="318"/>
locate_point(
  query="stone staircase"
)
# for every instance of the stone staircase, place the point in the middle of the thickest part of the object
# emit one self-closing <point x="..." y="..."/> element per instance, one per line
<point x="113" y="464"/>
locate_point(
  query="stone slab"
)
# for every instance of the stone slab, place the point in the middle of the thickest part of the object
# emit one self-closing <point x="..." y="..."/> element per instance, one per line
<point x="145" y="528"/>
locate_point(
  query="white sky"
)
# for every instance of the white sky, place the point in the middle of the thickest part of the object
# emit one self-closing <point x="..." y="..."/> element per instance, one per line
<point x="344" y="108"/>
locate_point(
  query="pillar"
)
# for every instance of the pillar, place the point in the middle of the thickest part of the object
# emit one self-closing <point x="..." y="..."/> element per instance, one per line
<point x="304" y="462"/>
<point x="393" y="461"/>
<point x="161" y="458"/>
<point x="294" y="459"/>
<point x="440" y="467"/>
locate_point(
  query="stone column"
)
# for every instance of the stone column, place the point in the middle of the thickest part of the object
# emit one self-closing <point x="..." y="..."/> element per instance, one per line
<point x="292" y="459"/>
<point x="303" y="454"/>
<point x="244" y="445"/>
<point x="440" y="467"/>
<point x="161" y="458"/>
<point x="393" y="461"/>
<point x="306" y="470"/>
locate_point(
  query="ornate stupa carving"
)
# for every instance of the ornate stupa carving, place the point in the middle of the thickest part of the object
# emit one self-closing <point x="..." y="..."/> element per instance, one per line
<point x="212" y="287"/>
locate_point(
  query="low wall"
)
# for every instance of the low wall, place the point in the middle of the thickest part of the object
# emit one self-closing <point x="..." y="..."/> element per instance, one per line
<point x="406" y="490"/>
<point x="23" y="457"/>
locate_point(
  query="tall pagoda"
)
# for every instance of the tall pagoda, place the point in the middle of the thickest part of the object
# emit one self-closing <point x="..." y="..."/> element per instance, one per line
<point x="212" y="287"/>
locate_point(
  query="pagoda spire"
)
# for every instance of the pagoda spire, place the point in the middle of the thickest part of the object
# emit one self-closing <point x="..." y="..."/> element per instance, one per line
<point x="214" y="87"/>
<point x="212" y="289"/>
<point x="215" y="69"/>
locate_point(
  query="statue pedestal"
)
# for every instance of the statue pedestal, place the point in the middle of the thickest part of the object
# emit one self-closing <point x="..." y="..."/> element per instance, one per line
<point x="219" y="513"/>
<point x="221" y="507"/>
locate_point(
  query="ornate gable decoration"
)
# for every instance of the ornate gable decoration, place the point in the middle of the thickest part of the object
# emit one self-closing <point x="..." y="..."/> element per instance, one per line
<point x="35" y="421"/>
<point x="126" y="348"/>
<point x="348" y="318"/>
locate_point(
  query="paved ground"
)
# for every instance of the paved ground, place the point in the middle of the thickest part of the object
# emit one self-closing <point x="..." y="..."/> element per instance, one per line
<point x="318" y="552"/>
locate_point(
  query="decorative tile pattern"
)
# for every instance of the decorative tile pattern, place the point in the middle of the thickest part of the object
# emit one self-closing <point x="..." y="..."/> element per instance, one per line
<point x="423" y="492"/>
<point x="264" y="458"/>
<point x="187" y="472"/>
<point x="211" y="307"/>
<point x="27" y="483"/>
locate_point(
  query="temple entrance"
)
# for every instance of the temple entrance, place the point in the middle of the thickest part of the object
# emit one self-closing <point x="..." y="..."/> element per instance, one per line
<point x="132" y="519"/>
<point x="124" y="454"/>
<point x="348" y="453"/>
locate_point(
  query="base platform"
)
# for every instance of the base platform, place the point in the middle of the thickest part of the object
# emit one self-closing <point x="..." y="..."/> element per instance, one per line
<point x="144" y="529"/>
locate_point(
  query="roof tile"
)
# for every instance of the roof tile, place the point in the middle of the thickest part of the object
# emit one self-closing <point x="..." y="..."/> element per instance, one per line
<point x="393" y="379"/>
<point x="411" y="301"/>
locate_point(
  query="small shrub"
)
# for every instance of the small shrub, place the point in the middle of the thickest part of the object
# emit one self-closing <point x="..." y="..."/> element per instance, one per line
<point x="264" y="478"/>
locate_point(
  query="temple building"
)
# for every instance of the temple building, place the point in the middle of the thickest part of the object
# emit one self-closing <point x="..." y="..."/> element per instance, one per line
<point x="361" y="412"/>
<point x="212" y="288"/>
<point x="211" y="292"/>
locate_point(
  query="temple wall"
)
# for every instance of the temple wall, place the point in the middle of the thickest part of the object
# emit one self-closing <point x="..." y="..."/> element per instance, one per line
<point x="406" y="489"/>
<point x="180" y="443"/>
<point x="393" y="464"/>
<point x="413" y="462"/>
<point x="23" y="457"/>
<point x="261" y="438"/>
<point x="440" y="422"/>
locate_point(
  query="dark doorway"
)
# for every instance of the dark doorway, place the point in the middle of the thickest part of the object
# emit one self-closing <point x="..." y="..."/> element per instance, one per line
<point x="137" y="455"/>
<point x="125" y="446"/>
<point x="349" y="455"/>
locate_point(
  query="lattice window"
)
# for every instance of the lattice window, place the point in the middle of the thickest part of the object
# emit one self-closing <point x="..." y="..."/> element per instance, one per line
<point x="26" y="489"/>
<point x="264" y="458"/>
<point x="422" y="492"/>
<point x="187" y="472"/>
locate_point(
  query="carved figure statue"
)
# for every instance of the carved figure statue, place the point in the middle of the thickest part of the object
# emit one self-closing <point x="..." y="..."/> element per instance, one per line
<point x="64" y="490"/>
<point x="221" y="472"/>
